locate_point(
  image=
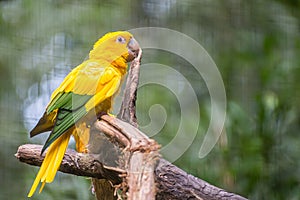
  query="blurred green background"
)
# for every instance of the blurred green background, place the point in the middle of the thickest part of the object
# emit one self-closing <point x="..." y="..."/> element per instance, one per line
<point x="255" y="44"/>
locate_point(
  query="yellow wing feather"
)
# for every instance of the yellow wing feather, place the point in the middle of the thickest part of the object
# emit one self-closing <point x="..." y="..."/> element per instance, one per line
<point x="108" y="87"/>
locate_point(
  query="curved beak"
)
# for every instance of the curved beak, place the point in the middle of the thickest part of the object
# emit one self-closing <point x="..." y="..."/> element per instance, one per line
<point x="133" y="49"/>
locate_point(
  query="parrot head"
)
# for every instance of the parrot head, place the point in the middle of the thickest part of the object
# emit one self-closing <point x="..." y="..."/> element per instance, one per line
<point x="116" y="45"/>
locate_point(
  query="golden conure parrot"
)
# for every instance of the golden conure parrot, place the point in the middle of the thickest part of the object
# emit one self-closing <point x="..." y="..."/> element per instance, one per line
<point x="86" y="92"/>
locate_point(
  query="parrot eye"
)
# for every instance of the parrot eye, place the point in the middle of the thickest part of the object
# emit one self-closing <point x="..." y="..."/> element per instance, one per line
<point x="120" y="39"/>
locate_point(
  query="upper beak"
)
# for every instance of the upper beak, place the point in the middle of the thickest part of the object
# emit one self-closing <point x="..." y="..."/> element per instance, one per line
<point x="133" y="49"/>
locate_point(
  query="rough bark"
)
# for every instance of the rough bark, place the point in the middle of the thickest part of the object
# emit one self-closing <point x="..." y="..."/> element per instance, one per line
<point x="73" y="163"/>
<point x="171" y="181"/>
<point x="174" y="183"/>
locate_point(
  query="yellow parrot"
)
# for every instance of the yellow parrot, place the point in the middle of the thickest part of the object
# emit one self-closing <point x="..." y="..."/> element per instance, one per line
<point x="86" y="92"/>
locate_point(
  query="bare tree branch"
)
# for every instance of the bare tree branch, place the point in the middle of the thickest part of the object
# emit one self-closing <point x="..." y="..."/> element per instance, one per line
<point x="174" y="183"/>
<point x="73" y="163"/>
<point x="127" y="110"/>
<point x="171" y="181"/>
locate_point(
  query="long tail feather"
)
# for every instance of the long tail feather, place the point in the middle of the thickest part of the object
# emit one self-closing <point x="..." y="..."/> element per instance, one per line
<point x="51" y="162"/>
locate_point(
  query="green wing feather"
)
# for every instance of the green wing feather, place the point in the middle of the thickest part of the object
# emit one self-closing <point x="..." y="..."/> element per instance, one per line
<point x="70" y="109"/>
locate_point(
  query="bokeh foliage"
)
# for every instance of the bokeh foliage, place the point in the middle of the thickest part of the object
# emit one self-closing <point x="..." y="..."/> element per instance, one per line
<point x="255" y="44"/>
